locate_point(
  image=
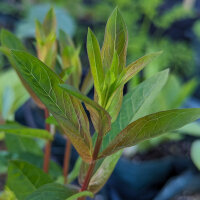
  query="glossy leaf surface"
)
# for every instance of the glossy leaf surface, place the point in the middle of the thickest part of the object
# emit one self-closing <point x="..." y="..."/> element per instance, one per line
<point x="100" y="118"/>
<point x="133" y="68"/>
<point x="95" y="60"/>
<point x="115" y="39"/>
<point x="151" y="126"/>
<point x="24" y="178"/>
<point x="66" y="109"/>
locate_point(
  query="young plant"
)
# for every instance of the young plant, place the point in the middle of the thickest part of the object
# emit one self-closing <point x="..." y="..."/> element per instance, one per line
<point x="112" y="115"/>
<point x="67" y="65"/>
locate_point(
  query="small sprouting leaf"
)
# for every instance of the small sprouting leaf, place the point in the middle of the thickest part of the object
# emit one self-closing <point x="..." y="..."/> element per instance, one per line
<point x="195" y="152"/>
<point x="64" y="40"/>
<point x="81" y="194"/>
<point x="100" y="118"/>
<point x="16" y="129"/>
<point x="151" y="126"/>
<point x="138" y="65"/>
<point x="10" y="41"/>
<point x="96" y="67"/>
<point x="24" y="178"/>
<point x="115" y="39"/>
<point x="70" y="59"/>
<point x="49" y="23"/>
<point x="52" y="191"/>
<point x="66" y="109"/>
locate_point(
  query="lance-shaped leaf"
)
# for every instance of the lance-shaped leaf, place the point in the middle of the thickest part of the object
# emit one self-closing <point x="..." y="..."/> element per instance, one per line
<point x="95" y="60"/>
<point x="70" y="59"/>
<point x="132" y="69"/>
<point x="10" y="41"/>
<point x="116" y="38"/>
<point x="100" y="118"/>
<point x="20" y="130"/>
<point x="67" y="110"/>
<point x="49" y="23"/>
<point x="151" y="126"/>
<point x="136" y="102"/>
<point x="24" y="178"/>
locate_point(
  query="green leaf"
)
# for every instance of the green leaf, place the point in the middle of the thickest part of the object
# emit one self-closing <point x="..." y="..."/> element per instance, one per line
<point x="134" y="105"/>
<point x="75" y="171"/>
<point x="195" y="152"/>
<point x="132" y="69"/>
<point x="100" y="118"/>
<point x="103" y="173"/>
<point x="8" y="101"/>
<point x="136" y="102"/>
<point x="151" y="126"/>
<point x="19" y="144"/>
<point x="115" y="39"/>
<point x="38" y="160"/>
<point x="24" y="178"/>
<point x="81" y="194"/>
<point x="191" y="129"/>
<point x="10" y="41"/>
<point x="52" y="191"/>
<point x="66" y="109"/>
<point x="51" y="120"/>
<point x="49" y="23"/>
<point x="20" y="130"/>
<point x="87" y="83"/>
<point x="96" y="67"/>
<point x="186" y="91"/>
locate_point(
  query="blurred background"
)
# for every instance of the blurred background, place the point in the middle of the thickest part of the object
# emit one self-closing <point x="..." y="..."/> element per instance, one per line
<point x="163" y="168"/>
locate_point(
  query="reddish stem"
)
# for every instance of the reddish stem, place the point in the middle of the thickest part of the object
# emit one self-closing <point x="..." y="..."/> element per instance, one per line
<point x="47" y="153"/>
<point x="66" y="160"/>
<point x="92" y="165"/>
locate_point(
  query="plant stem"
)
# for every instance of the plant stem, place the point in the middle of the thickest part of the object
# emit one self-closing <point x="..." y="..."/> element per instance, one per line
<point x="66" y="160"/>
<point x="92" y="165"/>
<point x="47" y="153"/>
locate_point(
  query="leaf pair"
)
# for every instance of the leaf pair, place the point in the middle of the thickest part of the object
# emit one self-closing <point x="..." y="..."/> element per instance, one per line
<point x="70" y="60"/>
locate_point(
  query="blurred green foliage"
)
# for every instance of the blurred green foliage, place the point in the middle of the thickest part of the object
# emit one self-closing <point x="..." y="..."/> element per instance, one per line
<point x="140" y="17"/>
